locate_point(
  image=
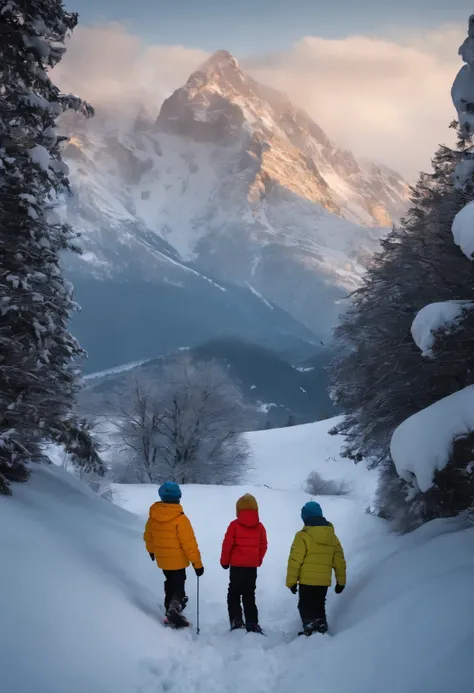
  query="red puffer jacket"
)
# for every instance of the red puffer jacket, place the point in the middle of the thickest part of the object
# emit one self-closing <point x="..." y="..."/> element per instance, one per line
<point x="245" y="542"/>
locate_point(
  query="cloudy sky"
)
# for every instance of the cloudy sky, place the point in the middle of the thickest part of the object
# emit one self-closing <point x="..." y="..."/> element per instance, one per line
<point x="375" y="75"/>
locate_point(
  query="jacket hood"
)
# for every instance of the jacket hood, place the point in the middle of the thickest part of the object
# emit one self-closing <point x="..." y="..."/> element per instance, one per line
<point x="316" y="522"/>
<point x="248" y="518"/>
<point x="246" y="502"/>
<point x="322" y="534"/>
<point x="165" y="512"/>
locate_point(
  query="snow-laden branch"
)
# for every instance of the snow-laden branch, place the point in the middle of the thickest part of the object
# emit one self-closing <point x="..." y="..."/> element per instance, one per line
<point x="462" y="91"/>
<point x="423" y="444"/>
<point x="463" y="230"/>
<point x="445" y="316"/>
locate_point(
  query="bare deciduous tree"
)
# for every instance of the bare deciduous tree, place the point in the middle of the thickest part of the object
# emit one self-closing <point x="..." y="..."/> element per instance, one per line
<point x="185" y="428"/>
<point x="138" y="431"/>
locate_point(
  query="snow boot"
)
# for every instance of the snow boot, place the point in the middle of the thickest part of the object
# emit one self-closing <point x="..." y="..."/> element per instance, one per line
<point x="254" y="628"/>
<point x="308" y="629"/>
<point x="318" y="626"/>
<point x="237" y="625"/>
<point x="174" y="617"/>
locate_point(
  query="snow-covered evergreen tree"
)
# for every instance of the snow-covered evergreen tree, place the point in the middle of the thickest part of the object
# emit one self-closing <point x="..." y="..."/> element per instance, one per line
<point x="38" y="377"/>
<point x="380" y="377"/>
<point x="383" y="378"/>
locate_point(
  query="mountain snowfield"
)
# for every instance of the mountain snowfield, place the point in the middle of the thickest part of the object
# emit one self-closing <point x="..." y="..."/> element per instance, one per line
<point x="232" y="183"/>
<point x="81" y="602"/>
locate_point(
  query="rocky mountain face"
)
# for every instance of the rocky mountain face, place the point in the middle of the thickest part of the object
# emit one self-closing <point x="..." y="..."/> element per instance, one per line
<point x="221" y="104"/>
<point x="230" y="187"/>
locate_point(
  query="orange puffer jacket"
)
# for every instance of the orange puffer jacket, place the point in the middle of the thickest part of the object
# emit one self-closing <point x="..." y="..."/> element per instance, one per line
<point x="170" y="536"/>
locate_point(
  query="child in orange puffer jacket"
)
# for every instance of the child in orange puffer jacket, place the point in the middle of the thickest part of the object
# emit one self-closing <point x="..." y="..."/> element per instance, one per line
<point x="243" y="550"/>
<point x="170" y="540"/>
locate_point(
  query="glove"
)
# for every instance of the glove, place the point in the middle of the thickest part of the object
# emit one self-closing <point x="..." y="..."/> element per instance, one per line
<point x="339" y="588"/>
<point x="226" y="567"/>
<point x="293" y="589"/>
<point x="152" y="556"/>
<point x="199" y="571"/>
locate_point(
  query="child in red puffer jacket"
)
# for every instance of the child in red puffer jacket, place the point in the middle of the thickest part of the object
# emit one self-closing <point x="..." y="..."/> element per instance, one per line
<point x="243" y="550"/>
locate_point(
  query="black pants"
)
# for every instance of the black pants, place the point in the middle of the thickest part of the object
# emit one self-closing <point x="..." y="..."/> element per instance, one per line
<point x="174" y="587"/>
<point x="242" y="585"/>
<point x="312" y="602"/>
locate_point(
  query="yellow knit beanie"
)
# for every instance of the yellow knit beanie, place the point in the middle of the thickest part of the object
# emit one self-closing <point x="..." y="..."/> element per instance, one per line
<point x="247" y="502"/>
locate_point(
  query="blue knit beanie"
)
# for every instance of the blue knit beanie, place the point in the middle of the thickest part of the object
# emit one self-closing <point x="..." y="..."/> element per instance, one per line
<point x="169" y="492"/>
<point x="311" y="510"/>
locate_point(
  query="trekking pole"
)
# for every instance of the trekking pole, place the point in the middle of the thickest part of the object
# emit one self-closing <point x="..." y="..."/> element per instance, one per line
<point x="197" y="615"/>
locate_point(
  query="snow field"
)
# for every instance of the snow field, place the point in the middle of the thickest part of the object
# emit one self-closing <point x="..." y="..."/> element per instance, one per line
<point x="79" y="592"/>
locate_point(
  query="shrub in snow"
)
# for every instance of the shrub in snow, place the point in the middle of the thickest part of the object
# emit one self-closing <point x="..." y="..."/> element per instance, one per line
<point x="317" y="486"/>
<point x="433" y="448"/>
<point x="452" y="492"/>
<point x="423" y="444"/>
<point x="187" y="428"/>
<point x="38" y="378"/>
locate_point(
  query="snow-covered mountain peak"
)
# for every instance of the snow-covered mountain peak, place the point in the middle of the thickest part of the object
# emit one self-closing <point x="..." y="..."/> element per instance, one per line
<point x="235" y="182"/>
<point x="220" y="60"/>
<point x="221" y="104"/>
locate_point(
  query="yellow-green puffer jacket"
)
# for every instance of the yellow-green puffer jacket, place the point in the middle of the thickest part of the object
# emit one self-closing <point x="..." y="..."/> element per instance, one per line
<point x="315" y="553"/>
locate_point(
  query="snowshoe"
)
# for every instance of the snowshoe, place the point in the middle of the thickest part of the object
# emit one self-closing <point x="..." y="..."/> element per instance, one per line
<point x="237" y="625"/>
<point x="254" y="628"/>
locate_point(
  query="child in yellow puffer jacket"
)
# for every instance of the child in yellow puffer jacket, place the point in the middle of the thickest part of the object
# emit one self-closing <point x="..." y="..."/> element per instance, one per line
<point x="315" y="553"/>
<point x="170" y="540"/>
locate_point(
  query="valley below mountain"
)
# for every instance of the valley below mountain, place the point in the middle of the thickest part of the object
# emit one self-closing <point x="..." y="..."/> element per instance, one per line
<point x="274" y="391"/>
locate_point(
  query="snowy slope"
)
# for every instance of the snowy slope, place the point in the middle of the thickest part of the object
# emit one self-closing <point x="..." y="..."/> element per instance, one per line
<point x="74" y="568"/>
<point x="233" y="182"/>
<point x="285" y="459"/>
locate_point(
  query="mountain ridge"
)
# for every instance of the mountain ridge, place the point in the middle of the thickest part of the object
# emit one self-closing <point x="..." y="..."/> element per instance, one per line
<point x="274" y="391"/>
